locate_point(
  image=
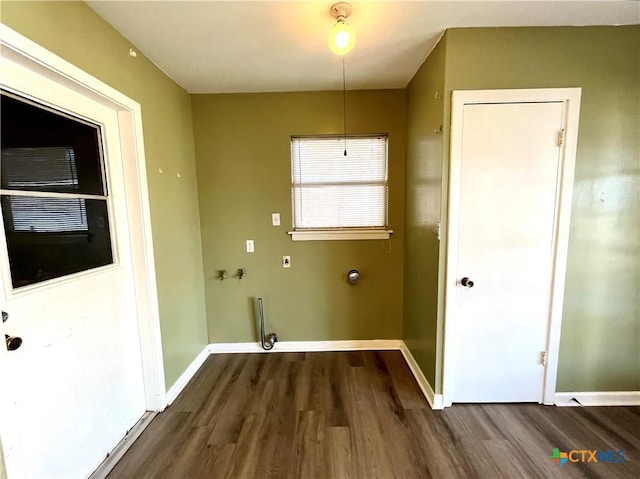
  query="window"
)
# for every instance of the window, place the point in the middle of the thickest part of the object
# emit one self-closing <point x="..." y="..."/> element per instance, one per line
<point x="52" y="192"/>
<point x="336" y="196"/>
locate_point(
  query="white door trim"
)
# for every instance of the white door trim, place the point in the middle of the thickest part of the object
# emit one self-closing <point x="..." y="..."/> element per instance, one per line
<point x="571" y="100"/>
<point x="19" y="49"/>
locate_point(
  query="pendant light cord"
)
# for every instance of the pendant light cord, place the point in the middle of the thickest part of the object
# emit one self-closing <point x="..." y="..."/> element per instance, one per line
<point x="344" y="105"/>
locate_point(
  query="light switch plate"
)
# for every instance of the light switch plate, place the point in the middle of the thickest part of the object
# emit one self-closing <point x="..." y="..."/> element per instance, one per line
<point x="250" y="246"/>
<point x="275" y="219"/>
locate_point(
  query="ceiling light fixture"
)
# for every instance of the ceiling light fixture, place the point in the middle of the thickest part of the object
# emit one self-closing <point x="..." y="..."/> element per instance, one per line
<point x="342" y="38"/>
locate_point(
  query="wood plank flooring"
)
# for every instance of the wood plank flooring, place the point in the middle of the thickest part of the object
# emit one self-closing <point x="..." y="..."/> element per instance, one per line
<point x="361" y="415"/>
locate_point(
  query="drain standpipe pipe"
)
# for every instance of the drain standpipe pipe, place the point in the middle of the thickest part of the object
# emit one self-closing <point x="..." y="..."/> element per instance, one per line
<point x="268" y="342"/>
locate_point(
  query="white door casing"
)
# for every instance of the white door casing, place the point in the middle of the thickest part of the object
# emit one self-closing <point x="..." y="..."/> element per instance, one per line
<point x="22" y="57"/>
<point x="562" y="109"/>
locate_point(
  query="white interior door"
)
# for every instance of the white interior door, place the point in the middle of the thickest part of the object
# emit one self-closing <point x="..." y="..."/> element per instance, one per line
<point x="507" y="212"/>
<point x="75" y="386"/>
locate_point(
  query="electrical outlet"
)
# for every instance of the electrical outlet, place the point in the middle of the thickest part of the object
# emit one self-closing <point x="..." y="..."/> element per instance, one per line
<point x="286" y="261"/>
<point x="250" y="246"/>
<point x="275" y="219"/>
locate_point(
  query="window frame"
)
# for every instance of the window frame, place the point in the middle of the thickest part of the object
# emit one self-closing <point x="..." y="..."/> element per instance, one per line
<point x="341" y="233"/>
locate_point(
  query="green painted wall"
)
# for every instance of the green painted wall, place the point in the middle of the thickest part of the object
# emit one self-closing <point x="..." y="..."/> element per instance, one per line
<point x="244" y="175"/>
<point x="76" y="33"/>
<point x="242" y="146"/>
<point x="423" y="179"/>
<point x="600" y="342"/>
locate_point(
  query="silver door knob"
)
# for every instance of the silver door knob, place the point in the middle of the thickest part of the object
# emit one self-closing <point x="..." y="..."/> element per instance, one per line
<point x="353" y="276"/>
<point x="466" y="282"/>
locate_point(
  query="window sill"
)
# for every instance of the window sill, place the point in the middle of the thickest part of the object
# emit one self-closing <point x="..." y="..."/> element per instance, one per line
<point x="315" y="235"/>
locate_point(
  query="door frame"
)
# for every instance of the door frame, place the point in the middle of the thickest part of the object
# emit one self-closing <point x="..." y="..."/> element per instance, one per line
<point x="20" y="50"/>
<point x="570" y="97"/>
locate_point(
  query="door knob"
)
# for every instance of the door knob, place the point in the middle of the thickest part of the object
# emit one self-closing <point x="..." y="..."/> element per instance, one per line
<point x="13" y="342"/>
<point x="466" y="282"/>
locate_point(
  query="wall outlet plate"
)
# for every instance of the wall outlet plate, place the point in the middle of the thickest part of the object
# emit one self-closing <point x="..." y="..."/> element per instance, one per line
<point x="275" y="219"/>
<point x="286" y="261"/>
<point x="250" y="246"/>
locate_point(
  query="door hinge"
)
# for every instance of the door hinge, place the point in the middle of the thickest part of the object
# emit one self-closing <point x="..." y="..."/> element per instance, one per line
<point x="543" y="358"/>
<point x="561" y="137"/>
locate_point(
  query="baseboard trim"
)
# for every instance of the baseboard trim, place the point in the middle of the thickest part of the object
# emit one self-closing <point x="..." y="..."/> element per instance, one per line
<point x="598" y="398"/>
<point x="186" y="376"/>
<point x="307" y="346"/>
<point x="434" y="400"/>
<point x="103" y="470"/>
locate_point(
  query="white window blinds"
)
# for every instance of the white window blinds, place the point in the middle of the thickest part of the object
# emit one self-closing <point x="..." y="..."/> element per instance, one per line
<point x="43" y="168"/>
<point x="48" y="215"/>
<point x="334" y="191"/>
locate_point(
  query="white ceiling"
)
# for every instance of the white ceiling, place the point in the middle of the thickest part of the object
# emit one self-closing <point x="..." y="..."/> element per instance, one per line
<point x="260" y="46"/>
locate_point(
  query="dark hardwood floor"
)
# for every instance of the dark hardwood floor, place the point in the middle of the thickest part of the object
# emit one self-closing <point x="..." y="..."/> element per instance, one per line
<point x="361" y="415"/>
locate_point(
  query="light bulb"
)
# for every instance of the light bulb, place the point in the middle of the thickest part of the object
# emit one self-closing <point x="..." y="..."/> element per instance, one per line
<point x="341" y="38"/>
